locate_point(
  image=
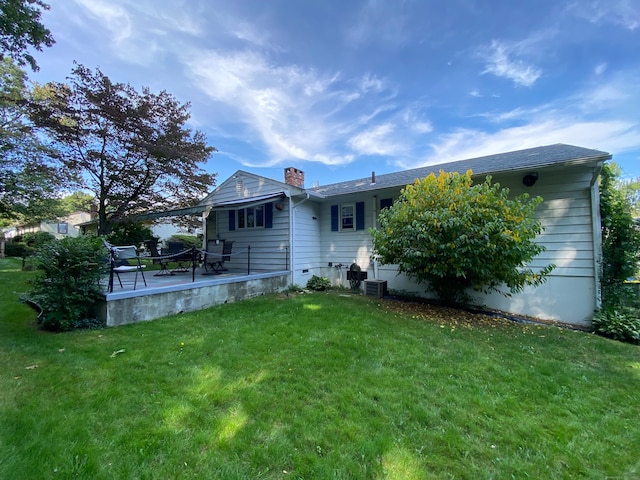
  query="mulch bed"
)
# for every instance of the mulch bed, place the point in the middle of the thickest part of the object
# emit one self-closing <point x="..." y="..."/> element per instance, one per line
<point x="469" y="317"/>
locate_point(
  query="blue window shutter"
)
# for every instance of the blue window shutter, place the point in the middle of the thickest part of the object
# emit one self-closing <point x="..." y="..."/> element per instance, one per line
<point x="359" y="215"/>
<point x="232" y="220"/>
<point x="268" y="215"/>
<point x="334" y="218"/>
<point x="386" y="203"/>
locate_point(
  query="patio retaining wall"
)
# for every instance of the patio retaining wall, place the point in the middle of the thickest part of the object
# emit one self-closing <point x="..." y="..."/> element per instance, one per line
<point x="142" y="305"/>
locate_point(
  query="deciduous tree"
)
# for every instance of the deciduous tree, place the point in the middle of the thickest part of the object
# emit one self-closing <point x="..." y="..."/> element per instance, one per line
<point x="132" y="148"/>
<point x="77" y="202"/>
<point x="20" y="27"/>
<point x="620" y="235"/>
<point x="29" y="174"/>
<point x="451" y="235"/>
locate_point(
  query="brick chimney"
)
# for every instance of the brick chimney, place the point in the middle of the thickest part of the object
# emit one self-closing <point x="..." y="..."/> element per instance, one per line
<point x="294" y="177"/>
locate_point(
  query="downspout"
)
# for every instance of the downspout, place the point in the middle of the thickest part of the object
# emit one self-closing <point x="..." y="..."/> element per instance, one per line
<point x="374" y="222"/>
<point x="292" y="235"/>
<point x="205" y="214"/>
<point x="203" y="246"/>
<point x="596" y="222"/>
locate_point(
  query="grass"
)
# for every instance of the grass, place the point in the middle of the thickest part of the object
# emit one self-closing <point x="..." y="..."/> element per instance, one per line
<point x="318" y="385"/>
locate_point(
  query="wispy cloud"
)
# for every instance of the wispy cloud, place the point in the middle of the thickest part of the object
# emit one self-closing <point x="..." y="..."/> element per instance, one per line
<point x="600" y="116"/>
<point x="613" y="136"/>
<point x="114" y="17"/>
<point x="378" y="140"/>
<point x="293" y="111"/>
<point x="379" y="22"/>
<point x="135" y="32"/>
<point x="415" y="122"/>
<point x="501" y="61"/>
<point x="397" y="137"/>
<point x="600" y="68"/>
<point x="625" y="13"/>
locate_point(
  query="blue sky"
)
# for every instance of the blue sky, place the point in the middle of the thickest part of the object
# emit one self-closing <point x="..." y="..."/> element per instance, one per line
<point x="343" y="88"/>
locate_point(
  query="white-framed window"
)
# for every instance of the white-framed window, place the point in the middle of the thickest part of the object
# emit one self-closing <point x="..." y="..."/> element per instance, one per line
<point x="251" y="217"/>
<point x="347" y="216"/>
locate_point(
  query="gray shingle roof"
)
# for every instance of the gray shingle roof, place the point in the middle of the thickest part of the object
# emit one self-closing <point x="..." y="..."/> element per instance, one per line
<point x="502" y="162"/>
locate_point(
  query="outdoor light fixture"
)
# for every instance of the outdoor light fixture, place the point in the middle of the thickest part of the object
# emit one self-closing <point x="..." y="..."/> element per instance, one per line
<point x="530" y="179"/>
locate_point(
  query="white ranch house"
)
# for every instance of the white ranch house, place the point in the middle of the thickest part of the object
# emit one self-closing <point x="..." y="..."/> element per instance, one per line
<point x="323" y="230"/>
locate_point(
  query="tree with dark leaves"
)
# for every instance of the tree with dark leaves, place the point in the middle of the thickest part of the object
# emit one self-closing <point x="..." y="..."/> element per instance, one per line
<point x="132" y="148"/>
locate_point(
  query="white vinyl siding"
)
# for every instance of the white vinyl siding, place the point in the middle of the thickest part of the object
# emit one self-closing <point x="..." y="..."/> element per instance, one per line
<point x="351" y="245"/>
<point x="269" y="246"/>
<point x="569" y="293"/>
<point x="246" y="185"/>
<point x="306" y="236"/>
<point x="565" y="214"/>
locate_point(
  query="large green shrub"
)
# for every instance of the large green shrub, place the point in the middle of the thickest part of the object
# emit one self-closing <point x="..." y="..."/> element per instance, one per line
<point x="16" y="249"/>
<point x="25" y="245"/>
<point x="452" y="236"/>
<point x="129" y="233"/>
<point x="188" y="240"/>
<point x="37" y="239"/>
<point x="619" y="324"/>
<point x="68" y="285"/>
<point x="318" y="283"/>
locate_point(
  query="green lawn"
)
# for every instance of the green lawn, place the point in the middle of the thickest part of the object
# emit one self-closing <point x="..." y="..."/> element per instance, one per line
<point x="313" y="386"/>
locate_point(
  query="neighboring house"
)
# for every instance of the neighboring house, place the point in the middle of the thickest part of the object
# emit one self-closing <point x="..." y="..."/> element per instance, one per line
<point x="68" y="226"/>
<point x="163" y="230"/>
<point x="323" y="230"/>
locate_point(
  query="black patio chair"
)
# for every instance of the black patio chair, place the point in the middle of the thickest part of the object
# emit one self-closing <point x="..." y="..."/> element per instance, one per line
<point x="177" y="253"/>
<point x="218" y="252"/>
<point x="152" y="246"/>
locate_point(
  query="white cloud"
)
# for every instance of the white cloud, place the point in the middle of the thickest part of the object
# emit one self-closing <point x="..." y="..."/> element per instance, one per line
<point x="114" y="17"/>
<point x="422" y="127"/>
<point x="625" y="13"/>
<point x="247" y="32"/>
<point x="600" y="68"/>
<point x="371" y="82"/>
<point x="518" y="113"/>
<point x="293" y="111"/>
<point x="137" y="31"/>
<point x="612" y="136"/>
<point x="601" y="116"/>
<point x="378" y="140"/>
<point x="501" y="62"/>
<point x="619" y="94"/>
<point x="378" y="22"/>
<point x="414" y="121"/>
